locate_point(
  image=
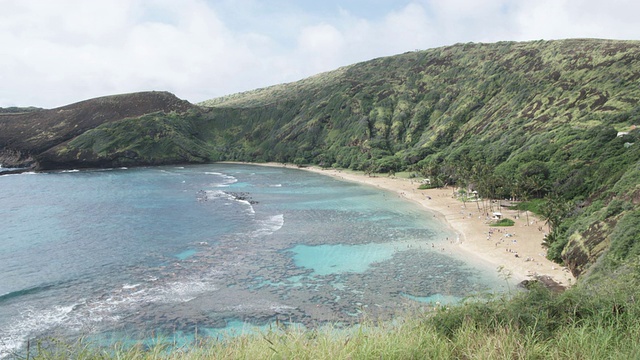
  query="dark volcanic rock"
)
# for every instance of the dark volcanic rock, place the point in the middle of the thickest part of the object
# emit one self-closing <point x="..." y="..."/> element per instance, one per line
<point x="546" y="281"/>
<point x="15" y="159"/>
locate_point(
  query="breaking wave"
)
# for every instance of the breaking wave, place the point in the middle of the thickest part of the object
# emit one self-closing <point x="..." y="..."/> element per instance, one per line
<point x="269" y="225"/>
<point x="226" y="180"/>
<point x="89" y="314"/>
<point x="206" y="195"/>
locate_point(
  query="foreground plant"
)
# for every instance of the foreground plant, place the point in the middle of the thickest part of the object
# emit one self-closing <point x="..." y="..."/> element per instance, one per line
<point x="536" y="324"/>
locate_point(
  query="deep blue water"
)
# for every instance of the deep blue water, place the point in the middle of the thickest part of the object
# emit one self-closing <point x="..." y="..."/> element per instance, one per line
<point x="166" y="250"/>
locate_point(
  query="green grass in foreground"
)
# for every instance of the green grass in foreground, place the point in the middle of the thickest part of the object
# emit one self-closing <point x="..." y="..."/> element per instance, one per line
<point x="532" y="325"/>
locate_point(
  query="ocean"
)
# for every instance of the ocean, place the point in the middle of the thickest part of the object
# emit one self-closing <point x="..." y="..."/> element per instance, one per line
<point x="175" y="251"/>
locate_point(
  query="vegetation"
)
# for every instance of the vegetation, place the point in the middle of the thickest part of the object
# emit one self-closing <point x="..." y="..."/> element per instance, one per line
<point x="503" y="222"/>
<point x="31" y="137"/>
<point x="549" y="123"/>
<point x="536" y="121"/>
<point x="426" y="186"/>
<point x="533" y="205"/>
<point x="552" y="123"/>
<point x="157" y="138"/>
<point x="582" y="323"/>
<point x="14" y="109"/>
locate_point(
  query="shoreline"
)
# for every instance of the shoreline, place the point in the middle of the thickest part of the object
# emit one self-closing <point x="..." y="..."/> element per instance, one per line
<point x="517" y="249"/>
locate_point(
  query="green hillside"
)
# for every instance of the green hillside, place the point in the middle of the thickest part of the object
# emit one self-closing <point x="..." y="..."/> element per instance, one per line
<point x="551" y="121"/>
<point x="523" y="120"/>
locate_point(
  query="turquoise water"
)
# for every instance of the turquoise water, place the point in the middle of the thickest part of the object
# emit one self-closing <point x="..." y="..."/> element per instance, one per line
<point x="175" y="251"/>
<point x="338" y="259"/>
<point x="186" y="254"/>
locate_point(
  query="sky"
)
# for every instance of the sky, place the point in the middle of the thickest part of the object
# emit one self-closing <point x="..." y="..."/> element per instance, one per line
<point x="53" y="53"/>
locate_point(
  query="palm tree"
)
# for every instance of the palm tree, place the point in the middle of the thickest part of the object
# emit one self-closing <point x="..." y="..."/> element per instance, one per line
<point x="462" y="183"/>
<point x="538" y="184"/>
<point x="500" y="184"/>
<point x="525" y="198"/>
<point x="464" y="178"/>
<point x="485" y="181"/>
<point x="554" y="210"/>
<point x="515" y="191"/>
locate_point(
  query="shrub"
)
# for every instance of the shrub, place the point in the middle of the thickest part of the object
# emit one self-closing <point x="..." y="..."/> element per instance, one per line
<point x="504" y="222"/>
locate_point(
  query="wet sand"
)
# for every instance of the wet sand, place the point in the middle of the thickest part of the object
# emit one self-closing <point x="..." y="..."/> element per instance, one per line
<point x="517" y="249"/>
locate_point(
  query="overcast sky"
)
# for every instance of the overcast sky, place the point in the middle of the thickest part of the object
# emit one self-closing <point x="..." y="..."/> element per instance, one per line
<point x="54" y="53"/>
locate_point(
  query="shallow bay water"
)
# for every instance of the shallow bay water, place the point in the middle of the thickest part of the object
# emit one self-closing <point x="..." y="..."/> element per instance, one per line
<point x="126" y="253"/>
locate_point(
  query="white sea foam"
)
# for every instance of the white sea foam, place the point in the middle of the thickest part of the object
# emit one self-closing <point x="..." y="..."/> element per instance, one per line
<point x="170" y="173"/>
<point x="250" y="208"/>
<point x="219" y="194"/>
<point x="181" y="291"/>
<point x="269" y="226"/>
<point x="13" y="338"/>
<point x="22" y="173"/>
<point x="71" y="171"/>
<point x="226" y="179"/>
<point x="260" y="305"/>
<point x="88" y="313"/>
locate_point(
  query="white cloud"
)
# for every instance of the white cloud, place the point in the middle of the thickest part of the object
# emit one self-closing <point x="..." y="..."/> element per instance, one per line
<point x="54" y="61"/>
<point x="350" y="39"/>
<point x="555" y="19"/>
<point x="320" y="47"/>
<point x="407" y="29"/>
<point x="55" y="53"/>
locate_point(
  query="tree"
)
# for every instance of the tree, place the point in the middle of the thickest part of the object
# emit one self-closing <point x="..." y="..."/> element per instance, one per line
<point x="485" y="182"/>
<point x="539" y="185"/>
<point x="554" y="210"/>
<point x="515" y="192"/>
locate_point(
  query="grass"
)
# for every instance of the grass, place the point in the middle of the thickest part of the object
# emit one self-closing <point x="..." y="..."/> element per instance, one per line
<point x="537" y="324"/>
<point x="409" y="340"/>
<point x="534" y="205"/>
<point x="427" y="187"/>
<point x="503" y="222"/>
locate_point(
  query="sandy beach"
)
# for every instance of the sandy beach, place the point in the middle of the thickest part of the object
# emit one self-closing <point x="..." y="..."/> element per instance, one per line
<point x="518" y="249"/>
